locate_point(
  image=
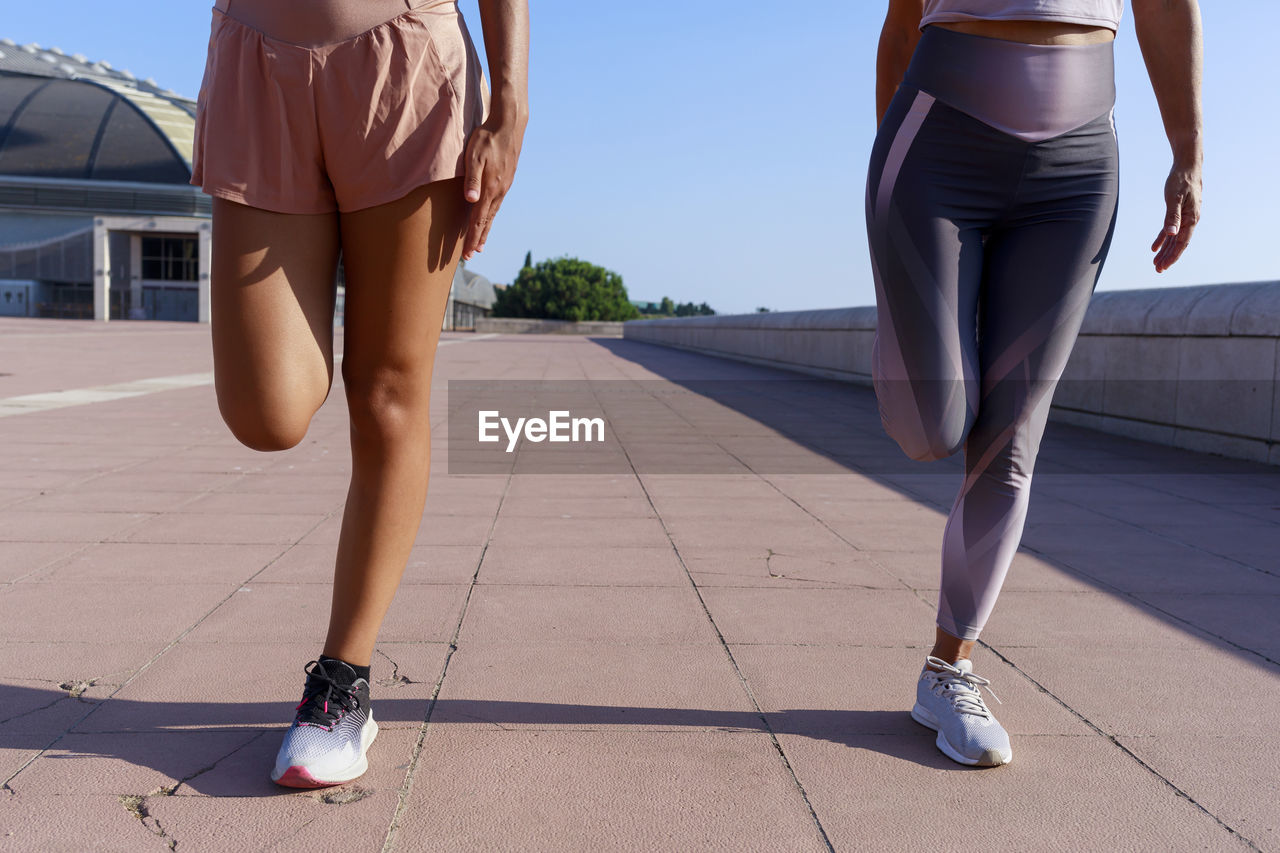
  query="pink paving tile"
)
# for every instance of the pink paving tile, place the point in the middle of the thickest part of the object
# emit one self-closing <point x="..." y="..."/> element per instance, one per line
<point x="470" y="530"/>
<point x="93" y="661"/>
<point x="18" y="525"/>
<point x="708" y="486"/>
<point x="1252" y="621"/>
<point x="1239" y="784"/>
<point x="90" y="611"/>
<point x="596" y="790"/>
<point x="856" y="617"/>
<point x="860" y="515"/>
<point x="245" y="463"/>
<point x="37" y="712"/>
<point x="278" y="612"/>
<point x="203" y="687"/>
<point x="509" y="562"/>
<point x="610" y="533"/>
<point x="334" y="484"/>
<point x="1107" y="538"/>
<point x="74" y="823"/>
<point x="88" y="764"/>
<point x="1060" y="792"/>
<point x="229" y="528"/>
<point x="429" y="564"/>
<point x="266" y="503"/>
<point x="798" y="537"/>
<point x="606" y="615"/>
<point x="129" y="481"/>
<point x="579" y="507"/>
<point x="451" y="506"/>
<point x="922" y="570"/>
<point x="19" y="559"/>
<point x="725" y="567"/>
<point x="1083" y="620"/>
<point x="836" y="692"/>
<point x="1184" y="691"/>
<point x="78" y="501"/>
<point x="590" y="686"/>
<point x="40" y="480"/>
<point x="538" y="486"/>
<point x="1171" y="568"/>
<point x="771" y="508"/>
<point x="1257" y="545"/>
<point x="154" y="562"/>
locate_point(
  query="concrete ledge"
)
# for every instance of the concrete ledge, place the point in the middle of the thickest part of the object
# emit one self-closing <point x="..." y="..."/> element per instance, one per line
<point x="522" y="326"/>
<point x="1193" y="367"/>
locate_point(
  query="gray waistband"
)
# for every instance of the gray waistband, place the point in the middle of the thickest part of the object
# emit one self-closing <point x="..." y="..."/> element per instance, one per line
<point x="1031" y="91"/>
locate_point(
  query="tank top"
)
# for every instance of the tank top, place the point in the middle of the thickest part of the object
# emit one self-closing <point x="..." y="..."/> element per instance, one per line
<point x="1098" y="13"/>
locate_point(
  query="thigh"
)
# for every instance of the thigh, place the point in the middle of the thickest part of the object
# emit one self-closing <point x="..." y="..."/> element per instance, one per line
<point x="924" y="228"/>
<point x="1039" y="278"/>
<point x="272" y="294"/>
<point x="399" y="259"/>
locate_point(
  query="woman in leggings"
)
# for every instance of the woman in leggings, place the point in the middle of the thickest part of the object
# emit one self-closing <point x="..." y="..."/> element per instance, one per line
<point x="991" y="201"/>
<point x="362" y="127"/>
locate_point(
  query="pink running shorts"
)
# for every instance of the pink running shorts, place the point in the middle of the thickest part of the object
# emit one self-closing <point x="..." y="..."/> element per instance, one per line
<point x="295" y="126"/>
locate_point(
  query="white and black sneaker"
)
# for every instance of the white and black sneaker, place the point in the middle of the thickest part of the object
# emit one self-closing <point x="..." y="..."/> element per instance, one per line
<point x="331" y="731"/>
<point x="948" y="702"/>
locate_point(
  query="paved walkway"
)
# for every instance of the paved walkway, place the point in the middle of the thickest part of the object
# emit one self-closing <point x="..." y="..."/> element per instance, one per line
<point x="720" y="657"/>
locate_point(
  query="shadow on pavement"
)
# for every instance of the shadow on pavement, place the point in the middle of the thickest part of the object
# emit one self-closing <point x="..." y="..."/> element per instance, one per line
<point x="250" y="732"/>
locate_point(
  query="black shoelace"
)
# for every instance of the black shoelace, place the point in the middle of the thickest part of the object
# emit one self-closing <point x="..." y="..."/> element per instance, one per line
<point x="325" y="700"/>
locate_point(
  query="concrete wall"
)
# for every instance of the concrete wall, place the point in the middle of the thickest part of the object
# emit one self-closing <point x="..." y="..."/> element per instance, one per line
<point x="1195" y="367"/>
<point x="519" y="326"/>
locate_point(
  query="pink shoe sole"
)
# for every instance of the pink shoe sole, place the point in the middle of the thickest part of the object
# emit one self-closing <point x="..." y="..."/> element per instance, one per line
<point x="299" y="777"/>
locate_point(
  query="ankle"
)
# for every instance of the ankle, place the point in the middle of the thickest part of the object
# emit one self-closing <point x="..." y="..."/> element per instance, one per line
<point x="360" y="671"/>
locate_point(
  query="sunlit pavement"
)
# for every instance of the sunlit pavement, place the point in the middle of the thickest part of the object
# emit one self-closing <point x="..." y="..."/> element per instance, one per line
<point x="654" y="657"/>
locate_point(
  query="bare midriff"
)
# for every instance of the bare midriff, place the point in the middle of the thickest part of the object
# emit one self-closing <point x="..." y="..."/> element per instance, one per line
<point x="1032" y="32"/>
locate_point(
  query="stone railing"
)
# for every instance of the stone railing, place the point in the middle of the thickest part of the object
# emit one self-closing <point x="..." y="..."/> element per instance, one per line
<point x="1194" y="367"/>
<point x="518" y="326"/>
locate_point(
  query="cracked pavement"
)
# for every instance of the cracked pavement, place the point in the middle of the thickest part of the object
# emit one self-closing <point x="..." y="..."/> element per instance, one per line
<point x="625" y="660"/>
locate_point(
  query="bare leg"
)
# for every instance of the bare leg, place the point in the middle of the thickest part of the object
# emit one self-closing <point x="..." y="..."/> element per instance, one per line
<point x="400" y="259"/>
<point x="951" y="649"/>
<point x="273" y="293"/>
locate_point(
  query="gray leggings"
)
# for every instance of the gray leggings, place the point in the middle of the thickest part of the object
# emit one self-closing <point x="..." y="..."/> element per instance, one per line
<point x="991" y="201"/>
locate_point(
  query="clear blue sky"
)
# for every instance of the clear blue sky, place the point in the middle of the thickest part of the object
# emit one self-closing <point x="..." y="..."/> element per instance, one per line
<point x="716" y="151"/>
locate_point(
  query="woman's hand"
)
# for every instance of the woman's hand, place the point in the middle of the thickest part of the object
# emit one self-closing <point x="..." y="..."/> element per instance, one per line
<point x="1182" y="205"/>
<point x="494" y="147"/>
<point x="1169" y="34"/>
<point x="492" y="152"/>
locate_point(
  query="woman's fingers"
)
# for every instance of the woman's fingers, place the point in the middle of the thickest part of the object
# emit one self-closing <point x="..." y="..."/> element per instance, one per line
<point x="1182" y="203"/>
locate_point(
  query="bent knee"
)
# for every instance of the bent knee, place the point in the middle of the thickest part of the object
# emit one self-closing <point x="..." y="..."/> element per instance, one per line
<point x="927" y="442"/>
<point x="930" y="447"/>
<point x="262" y="427"/>
<point x="265" y="434"/>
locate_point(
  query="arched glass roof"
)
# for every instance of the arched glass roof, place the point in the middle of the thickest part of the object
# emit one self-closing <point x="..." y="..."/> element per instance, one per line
<point x="66" y="117"/>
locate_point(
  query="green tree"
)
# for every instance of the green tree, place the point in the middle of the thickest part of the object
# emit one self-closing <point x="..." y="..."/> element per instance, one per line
<point x="667" y="307"/>
<point x="528" y="259"/>
<point x="565" y="289"/>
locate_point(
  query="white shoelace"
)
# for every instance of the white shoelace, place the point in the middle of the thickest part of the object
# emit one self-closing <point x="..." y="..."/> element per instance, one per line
<point x="961" y="688"/>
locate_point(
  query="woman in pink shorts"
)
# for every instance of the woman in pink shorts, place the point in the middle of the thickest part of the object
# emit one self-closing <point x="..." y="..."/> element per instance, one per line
<point x="362" y="127"/>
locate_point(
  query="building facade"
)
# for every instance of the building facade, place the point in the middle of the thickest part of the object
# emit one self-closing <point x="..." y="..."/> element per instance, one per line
<point x="97" y="218"/>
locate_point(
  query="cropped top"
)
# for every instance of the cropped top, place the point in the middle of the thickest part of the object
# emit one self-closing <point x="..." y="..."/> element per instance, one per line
<point x="1099" y="13"/>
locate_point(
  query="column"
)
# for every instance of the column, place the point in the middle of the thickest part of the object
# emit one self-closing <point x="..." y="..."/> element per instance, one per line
<point x="136" y="309"/>
<point x="205" y="254"/>
<point x="101" y="272"/>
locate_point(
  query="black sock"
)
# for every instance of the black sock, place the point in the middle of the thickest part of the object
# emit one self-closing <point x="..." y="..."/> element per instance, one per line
<point x="339" y="673"/>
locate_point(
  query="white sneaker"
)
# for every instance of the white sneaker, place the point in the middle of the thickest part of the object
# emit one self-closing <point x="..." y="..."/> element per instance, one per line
<point x="949" y="703"/>
<point x="332" y="729"/>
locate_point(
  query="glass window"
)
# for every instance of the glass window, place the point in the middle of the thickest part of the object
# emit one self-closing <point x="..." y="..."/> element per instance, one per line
<point x="170" y="258"/>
